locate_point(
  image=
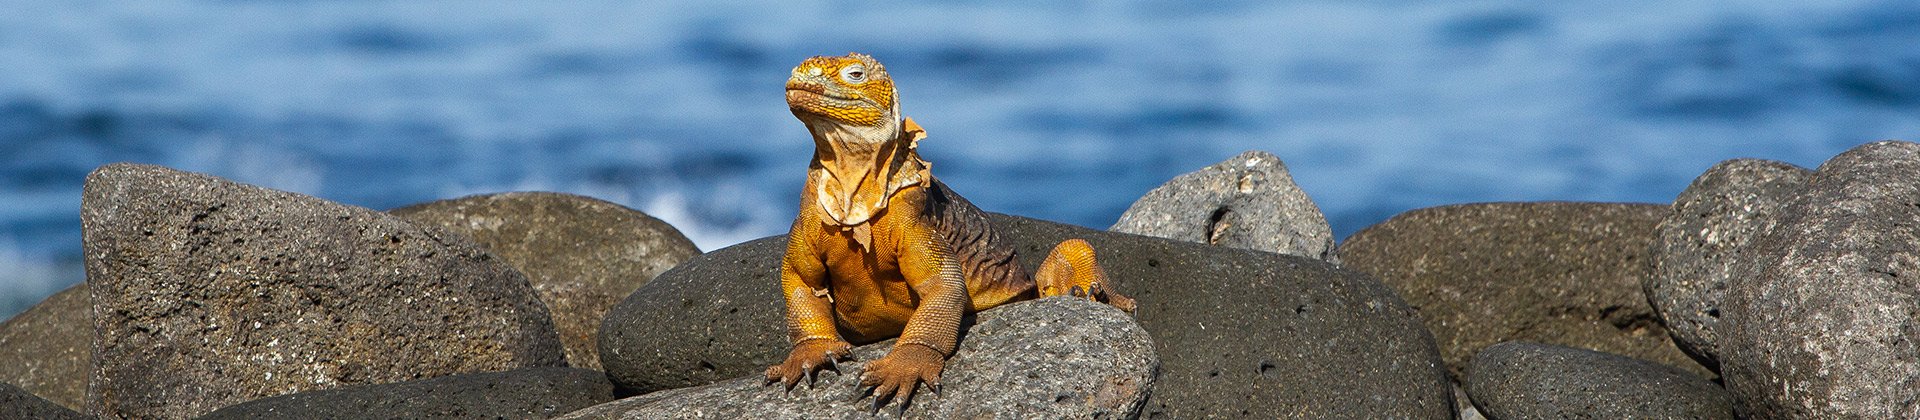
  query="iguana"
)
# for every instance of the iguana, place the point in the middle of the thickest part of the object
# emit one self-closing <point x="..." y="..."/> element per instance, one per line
<point x="881" y="248"/>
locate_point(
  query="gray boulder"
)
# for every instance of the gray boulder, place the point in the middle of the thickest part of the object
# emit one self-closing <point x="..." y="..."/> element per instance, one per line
<point x="1557" y="273"/>
<point x="16" y="403"/>
<point x="715" y="317"/>
<point x="582" y="254"/>
<point x="48" y="350"/>
<point x="1248" y="202"/>
<point x="1821" y="320"/>
<point x="1517" y="380"/>
<point x="1054" y="358"/>
<point x="207" y="293"/>
<point x="1705" y="236"/>
<point x="532" y="393"/>
<point x="1238" y="332"/>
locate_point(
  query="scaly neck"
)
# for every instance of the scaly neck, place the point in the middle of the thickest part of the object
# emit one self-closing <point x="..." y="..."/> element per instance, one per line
<point x="856" y="170"/>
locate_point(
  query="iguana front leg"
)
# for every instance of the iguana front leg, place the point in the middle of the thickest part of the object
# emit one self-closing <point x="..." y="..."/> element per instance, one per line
<point x="933" y="272"/>
<point x="810" y="327"/>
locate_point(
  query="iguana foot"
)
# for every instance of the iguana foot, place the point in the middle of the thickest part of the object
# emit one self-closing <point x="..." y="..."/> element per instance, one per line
<point x="901" y="372"/>
<point x="808" y="357"/>
<point x="1072" y="270"/>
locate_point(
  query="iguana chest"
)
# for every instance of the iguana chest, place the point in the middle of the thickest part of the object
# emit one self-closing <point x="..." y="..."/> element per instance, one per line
<point x="870" y="286"/>
<point x="871" y="298"/>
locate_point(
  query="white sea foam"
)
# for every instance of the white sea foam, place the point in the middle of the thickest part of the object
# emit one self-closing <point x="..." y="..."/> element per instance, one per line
<point x="30" y="276"/>
<point x="674" y="208"/>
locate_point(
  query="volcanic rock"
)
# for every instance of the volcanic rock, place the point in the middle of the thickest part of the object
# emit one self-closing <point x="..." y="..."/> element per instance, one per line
<point x="1054" y="358"/>
<point x="1518" y="380"/>
<point x="1705" y="236"/>
<point x="1821" y="317"/>
<point x="207" y="293"/>
<point x="582" y="254"/>
<point x="1238" y="332"/>
<point x="1248" y="202"/>
<point x="1557" y="273"/>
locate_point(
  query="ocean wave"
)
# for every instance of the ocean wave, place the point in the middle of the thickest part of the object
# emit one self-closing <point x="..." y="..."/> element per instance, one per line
<point x="32" y="274"/>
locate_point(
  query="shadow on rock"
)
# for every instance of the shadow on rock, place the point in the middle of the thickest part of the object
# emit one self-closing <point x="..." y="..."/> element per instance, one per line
<point x="532" y="393"/>
<point x="1518" y="380"/>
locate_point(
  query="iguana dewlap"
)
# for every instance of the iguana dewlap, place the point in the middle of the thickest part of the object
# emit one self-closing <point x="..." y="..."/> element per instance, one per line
<point x="882" y="249"/>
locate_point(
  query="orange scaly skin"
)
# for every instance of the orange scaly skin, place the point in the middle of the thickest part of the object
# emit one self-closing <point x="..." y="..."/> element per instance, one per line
<point x="882" y="249"/>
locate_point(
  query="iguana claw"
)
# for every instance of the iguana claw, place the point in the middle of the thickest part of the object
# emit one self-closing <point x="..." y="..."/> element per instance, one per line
<point x="906" y="399"/>
<point x="860" y="391"/>
<point x="807" y="358"/>
<point x="900" y="373"/>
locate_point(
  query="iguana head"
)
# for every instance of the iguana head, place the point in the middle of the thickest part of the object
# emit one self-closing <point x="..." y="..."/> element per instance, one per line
<point x="852" y="92"/>
<point x="864" y="150"/>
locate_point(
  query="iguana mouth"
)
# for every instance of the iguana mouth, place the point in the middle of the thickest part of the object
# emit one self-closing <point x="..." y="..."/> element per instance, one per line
<point x="831" y="107"/>
<point x="805" y="89"/>
<point x="797" y="95"/>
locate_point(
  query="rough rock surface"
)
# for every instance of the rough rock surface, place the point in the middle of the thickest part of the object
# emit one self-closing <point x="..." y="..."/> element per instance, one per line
<point x="1462" y="404"/>
<point x="48" y="350"/>
<point x="532" y="393"/>
<point x="1248" y="202"/>
<point x="1558" y="273"/>
<point x="1055" y="358"/>
<point x="715" y="317"/>
<point x="1517" y="380"/>
<point x="1702" y="239"/>
<point x="1821" y="323"/>
<point x="1239" y="333"/>
<point x="582" y="254"/>
<point x="207" y="293"/>
<point x="16" y="403"/>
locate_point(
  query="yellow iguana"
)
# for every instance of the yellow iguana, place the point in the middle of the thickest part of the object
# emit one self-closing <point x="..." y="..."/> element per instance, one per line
<point x="882" y="249"/>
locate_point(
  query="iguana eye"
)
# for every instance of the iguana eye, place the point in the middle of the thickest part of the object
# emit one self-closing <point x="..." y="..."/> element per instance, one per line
<point x="854" y="73"/>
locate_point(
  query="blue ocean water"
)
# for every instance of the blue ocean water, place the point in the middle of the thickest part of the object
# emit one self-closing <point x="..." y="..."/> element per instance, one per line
<point x="1065" y="111"/>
